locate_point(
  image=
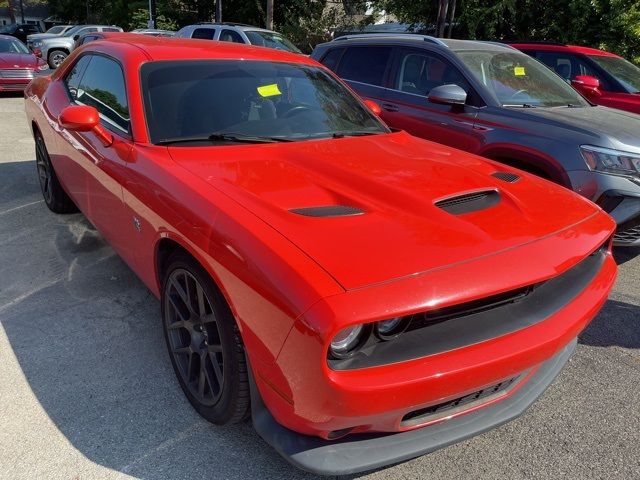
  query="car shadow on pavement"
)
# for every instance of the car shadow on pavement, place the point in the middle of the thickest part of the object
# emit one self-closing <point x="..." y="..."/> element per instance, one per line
<point x="88" y="339"/>
<point x="617" y="324"/>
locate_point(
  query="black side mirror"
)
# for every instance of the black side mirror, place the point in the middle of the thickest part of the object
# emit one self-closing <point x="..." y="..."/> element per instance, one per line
<point x="76" y="37"/>
<point x="451" y="94"/>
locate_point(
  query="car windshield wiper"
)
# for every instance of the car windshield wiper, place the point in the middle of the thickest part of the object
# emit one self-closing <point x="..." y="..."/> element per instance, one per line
<point x="353" y="133"/>
<point x="519" y="105"/>
<point x="224" y="137"/>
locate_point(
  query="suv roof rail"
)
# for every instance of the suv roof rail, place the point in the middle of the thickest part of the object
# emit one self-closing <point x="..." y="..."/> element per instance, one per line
<point x="230" y="24"/>
<point x="413" y="36"/>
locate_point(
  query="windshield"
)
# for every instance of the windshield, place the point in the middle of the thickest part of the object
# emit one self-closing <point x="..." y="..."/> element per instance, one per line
<point x="73" y="30"/>
<point x="8" y="28"/>
<point x="12" y="46"/>
<point x="276" y="101"/>
<point x="622" y="70"/>
<point x="270" y="40"/>
<point x="56" y="29"/>
<point x="518" y="80"/>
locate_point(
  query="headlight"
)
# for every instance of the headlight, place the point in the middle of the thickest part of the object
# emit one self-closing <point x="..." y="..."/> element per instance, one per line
<point x="611" y="161"/>
<point x="346" y="341"/>
<point x="36" y="44"/>
<point x="388" y="329"/>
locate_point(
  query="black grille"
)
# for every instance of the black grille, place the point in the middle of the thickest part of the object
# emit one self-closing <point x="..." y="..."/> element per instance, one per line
<point x="628" y="232"/>
<point x="469" y="202"/>
<point x="328" y="211"/>
<point x="461" y="403"/>
<point x="506" y="176"/>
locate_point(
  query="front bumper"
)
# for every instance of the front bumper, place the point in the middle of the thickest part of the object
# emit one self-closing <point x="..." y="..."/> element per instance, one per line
<point x="368" y="451"/>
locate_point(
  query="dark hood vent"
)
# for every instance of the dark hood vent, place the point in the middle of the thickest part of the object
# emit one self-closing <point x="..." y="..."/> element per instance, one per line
<point x="328" y="211"/>
<point x="469" y="202"/>
<point x="506" y="176"/>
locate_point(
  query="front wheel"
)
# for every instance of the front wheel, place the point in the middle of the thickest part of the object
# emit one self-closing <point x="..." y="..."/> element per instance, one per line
<point x="204" y="343"/>
<point x="56" y="57"/>
<point x="54" y="195"/>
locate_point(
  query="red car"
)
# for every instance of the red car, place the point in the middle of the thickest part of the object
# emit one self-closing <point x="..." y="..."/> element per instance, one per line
<point x="366" y="295"/>
<point x="18" y="65"/>
<point x="604" y="78"/>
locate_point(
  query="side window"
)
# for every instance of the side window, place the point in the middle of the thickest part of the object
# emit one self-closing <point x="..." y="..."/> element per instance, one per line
<point x="110" y="29"/>
<point x="561" y="63"/>
<point x="204" y="33"/>
<point x="102" y="86"/>
<point x="86" y="30"/>
<point x="72" y="80"/>
<point x="87" y="39"/>
<point x="420" y="71"/>
<point x="230" y="36"/>
<point x="365" y="64"/>
<point x="330" y="60"/>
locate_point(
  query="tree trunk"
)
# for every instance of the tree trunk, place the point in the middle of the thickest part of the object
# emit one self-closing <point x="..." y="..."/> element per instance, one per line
<point x="443" y="6"/>
<point x="269" y="15"/>
<point x="12" y="15"/>
<point x="452" y="16"/>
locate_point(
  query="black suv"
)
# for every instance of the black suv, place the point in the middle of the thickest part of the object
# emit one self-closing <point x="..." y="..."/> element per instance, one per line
<point x="495" y="101"/>
<point x="20" y="30"/>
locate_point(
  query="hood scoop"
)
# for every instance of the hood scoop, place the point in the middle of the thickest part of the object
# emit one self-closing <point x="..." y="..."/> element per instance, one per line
<point x="508" y="177"/>
<point x="328" y="211"/>
<point x="469" y="202"/>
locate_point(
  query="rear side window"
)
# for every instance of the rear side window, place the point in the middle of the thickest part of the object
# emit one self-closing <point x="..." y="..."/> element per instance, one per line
<point x="204" y="33"/>
<point x="365" y="64"/>
<point x="86" y="30"/>
<point x="330" y="60"/>
<point x="102" y="86"/>
<point x="110" y="29"/>
<point x="230" y="36"/>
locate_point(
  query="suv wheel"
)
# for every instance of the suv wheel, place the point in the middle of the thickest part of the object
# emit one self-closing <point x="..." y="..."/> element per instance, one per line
<point x="56" y="57"/>
<point x="204" y="342"/>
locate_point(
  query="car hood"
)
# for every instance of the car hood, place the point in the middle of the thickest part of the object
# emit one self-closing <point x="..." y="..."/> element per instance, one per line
<point x="18" y="60"/>
<point x="40" y="36"/>
<point x="394" y="180"/>
<point x="622" y="128"/>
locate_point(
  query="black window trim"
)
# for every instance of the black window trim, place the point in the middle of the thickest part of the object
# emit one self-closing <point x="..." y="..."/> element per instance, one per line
<point x="124" y="135"/>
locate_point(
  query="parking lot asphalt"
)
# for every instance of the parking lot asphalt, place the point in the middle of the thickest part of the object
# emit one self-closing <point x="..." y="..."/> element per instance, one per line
<point x="87" y="390"/>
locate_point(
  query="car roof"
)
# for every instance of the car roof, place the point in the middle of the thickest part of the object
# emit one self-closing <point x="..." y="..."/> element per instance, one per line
<point x="231" y="25"/>
<point x="558" y="47"/>
<point x="453" y="45"/>
<point x="171" y="48"/>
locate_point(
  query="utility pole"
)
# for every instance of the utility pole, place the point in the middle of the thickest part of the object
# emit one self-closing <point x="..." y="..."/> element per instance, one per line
<point x="22" y="11"/>
<point x="269" y="25"/>
<point x="152" y="14"/>
<point x="218" y="11"/>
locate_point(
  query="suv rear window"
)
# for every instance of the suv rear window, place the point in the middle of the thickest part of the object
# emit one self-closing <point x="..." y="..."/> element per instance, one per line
<point x="365" y="64"/>
<point x="204" y="33"/>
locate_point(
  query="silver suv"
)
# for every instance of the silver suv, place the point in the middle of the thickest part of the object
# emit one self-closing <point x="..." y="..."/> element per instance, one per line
<point x="238" y="33"/>
<point x="55" y="48"/>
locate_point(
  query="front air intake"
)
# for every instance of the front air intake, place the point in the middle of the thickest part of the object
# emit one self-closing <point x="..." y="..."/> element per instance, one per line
<point x="328" y="211"/>
<point x="469" y="202"/>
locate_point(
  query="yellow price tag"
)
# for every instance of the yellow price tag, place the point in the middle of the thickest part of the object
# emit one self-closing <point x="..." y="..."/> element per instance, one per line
<point x="519" y="71"/>
<point x="269" y="90"/>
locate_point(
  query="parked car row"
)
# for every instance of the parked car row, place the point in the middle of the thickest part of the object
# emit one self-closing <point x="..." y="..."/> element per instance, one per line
<point x="493" y="100"/>
<point x="366" y="295"/>
<point x="18" y="65"/>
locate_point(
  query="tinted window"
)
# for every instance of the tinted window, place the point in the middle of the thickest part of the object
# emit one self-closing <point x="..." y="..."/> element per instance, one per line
<point x="204" y="33"/>
<point x="187" y="101"/>
<point x="110" y="29"/>
<point x="102" y="86"/>
<point x="330" y="60"/>
<point x="365" y="64"/>
<point x="230" y="36"/>
<point x="270" y="40"/>
<point x="568" y="66"/>
<point x="86" y="30"/>
<point x="419" y="72"/>
<point x="87" y="39"/>
<point x="625" y="72"/>
<point x="72" y="80"/>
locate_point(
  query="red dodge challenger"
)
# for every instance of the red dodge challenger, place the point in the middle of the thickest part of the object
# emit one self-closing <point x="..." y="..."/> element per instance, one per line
<point x="365" y="295"/>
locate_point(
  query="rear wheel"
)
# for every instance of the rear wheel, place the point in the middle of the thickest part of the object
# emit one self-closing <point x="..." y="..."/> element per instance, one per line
<point x="54" y="195"/>
<point x="204" y="342"/>
<point x="56" y="57"/>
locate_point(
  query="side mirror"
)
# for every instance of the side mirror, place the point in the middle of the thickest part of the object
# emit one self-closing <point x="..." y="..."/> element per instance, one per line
<point x="83" y="118"/>
<point x="451" y="94"/>
<point x="76" y="37"/>
<point x="586" y="84"/>
<point x="374" y="107"/>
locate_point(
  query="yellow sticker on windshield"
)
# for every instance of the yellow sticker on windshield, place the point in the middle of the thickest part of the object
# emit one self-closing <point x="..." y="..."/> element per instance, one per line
<point x="269" y="90"/>
<point x="519" y="71"/>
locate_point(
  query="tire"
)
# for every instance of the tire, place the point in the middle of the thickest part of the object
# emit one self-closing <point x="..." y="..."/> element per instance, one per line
<point x="56" y="57"/>
<point x="204" y="342"/>
<point x="54" y="195"/>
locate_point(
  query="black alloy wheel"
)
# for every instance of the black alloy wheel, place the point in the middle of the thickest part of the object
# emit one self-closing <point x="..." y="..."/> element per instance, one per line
<point x="54" y="195"/>
<point x="204" y="343"/>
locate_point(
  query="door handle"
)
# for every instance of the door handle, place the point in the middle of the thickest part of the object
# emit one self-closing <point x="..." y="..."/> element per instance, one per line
<point x="390" y="107"/>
